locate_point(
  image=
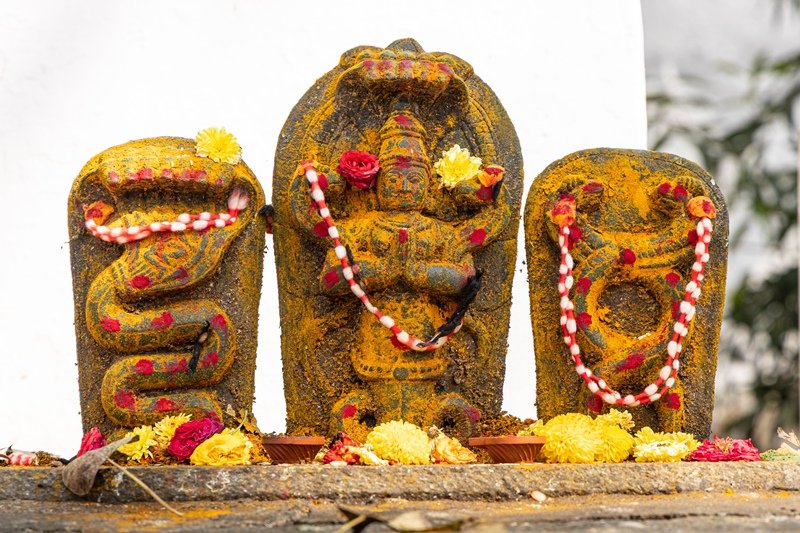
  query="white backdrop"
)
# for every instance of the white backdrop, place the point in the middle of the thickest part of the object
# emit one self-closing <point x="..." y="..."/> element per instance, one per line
<point x="78" y="77"/>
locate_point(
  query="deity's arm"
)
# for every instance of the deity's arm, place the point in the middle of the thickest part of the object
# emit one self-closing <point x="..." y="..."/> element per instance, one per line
<point x="371" y="272"/>
<point x="489" y="223"/>
<point x="303" y="208"/>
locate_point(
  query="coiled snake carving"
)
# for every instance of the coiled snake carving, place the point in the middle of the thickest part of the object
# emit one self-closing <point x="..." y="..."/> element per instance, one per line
<point x="174" y="346"/>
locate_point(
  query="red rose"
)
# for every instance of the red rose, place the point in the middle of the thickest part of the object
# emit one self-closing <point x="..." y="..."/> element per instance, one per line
<point x="188" y="436"/>
<point x="358" y="168"/>
<point x="92" y="441"/>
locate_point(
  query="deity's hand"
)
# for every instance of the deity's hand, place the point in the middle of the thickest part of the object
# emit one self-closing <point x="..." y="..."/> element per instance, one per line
<point x="303" y="208"/>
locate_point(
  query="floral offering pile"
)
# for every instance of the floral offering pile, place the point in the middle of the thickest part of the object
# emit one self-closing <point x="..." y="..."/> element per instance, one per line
<point x="397" y="442"/>
<point x="177" y="438"/>
<point x="578" y="438"/>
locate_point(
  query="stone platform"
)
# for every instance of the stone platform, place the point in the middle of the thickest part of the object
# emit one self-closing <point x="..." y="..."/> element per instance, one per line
<point x="690" y="496"/>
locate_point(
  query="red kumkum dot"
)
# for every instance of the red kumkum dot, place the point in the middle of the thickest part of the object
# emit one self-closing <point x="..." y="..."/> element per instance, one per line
<point x="178" y="366"/>
<point x="630" y="362"/>
<point x="401" y="118"/>
<point x="485" y="194"/>
<point x="162" y="322"/>
<point x="583" y="285"/>
<point x="124" y="399"/>
<point x="331" y="278"/>
<point x="672" y="278"/>
<point x="348" y="411"/>
<point x="212" y="358"/>
<point x="109" y="324"/>
<point x="477" y="237"/>
<point x="595" y="403"/>
<point x="322" y="180"/>
<point x="672" y="400"/>
<point x="680" y="193"/>
<point x="218" y="321"/>
<point x="584" y="320"/>
<point x="473" y="414"/>
<point x="692" y="237"/>
<point x="575" y="233"/>
<point x="181" y="273"/>
<point x="664" y="188"/>
<point x="165" y="404"/>
<point x="321" y="228"/>
<point x="402" y="235"/>
<point x="628" y="256"/>
<point x="592" y="186"/>
<point x="402" y="161"/>
<point x="144" y="366"/>
<point x="676" y="308"/>
<point x="140" y="282"/>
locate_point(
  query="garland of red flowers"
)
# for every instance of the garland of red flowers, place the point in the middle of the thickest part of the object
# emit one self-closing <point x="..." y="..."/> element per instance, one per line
<point x="564" y="215"/>
<point x="308" y="167"/>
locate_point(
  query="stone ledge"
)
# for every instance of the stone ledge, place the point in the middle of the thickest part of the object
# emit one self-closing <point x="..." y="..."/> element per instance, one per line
<point x="435" y="482"/>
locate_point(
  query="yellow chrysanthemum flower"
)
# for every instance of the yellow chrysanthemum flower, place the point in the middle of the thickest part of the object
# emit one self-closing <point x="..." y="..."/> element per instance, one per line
<point x="577" y="438"/>
<point x="140" y="448"/>
<point x="165" y="428"/>
<point x="228" y="448"/>
<point x="455" y="166"/>
<point x="622" y="419"/>
<point x="218" y="145"/>
<point x="617" y="444"/>
<point x="650" y="446"/>
<point x="402" y="442"/>
<point x="448" y="450"/>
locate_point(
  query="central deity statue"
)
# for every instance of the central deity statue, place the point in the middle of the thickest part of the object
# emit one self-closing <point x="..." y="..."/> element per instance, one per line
<point x="373" y="235"/>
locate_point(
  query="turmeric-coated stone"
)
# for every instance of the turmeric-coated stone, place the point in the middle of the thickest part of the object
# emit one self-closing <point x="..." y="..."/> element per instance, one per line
<point x="394" y="259"/>
<point x="627" y="257"/>
<point x="167" y="252"/>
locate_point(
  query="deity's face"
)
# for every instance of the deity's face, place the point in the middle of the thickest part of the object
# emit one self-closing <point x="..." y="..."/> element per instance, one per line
<point x="403" y="186"/>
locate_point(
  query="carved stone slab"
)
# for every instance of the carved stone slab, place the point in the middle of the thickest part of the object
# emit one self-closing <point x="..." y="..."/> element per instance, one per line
<point x="166" y="323"/>
<point x="416" y="244"/>
<point x="632" y="264"/>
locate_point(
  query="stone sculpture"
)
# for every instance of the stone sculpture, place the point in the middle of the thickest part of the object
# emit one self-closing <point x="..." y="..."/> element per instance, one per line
<point x="366" y="137"/>
<point x="167" y="253"/>
<point x="644" y="232"/>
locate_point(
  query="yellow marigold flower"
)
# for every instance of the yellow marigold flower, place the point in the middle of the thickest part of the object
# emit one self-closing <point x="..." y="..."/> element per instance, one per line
<point x="455" y="166"/>
<point x="228" y="448"/>
<point x="165" y="428"/>
<point x="402" y="442"/>
<point x="140" y="448"/>
<point x="577" y="438"/>
<point x="650" y="446"/>
<point x="218" y="145"/>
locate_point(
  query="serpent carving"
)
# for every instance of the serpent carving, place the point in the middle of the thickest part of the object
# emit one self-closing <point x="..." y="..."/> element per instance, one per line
<point x="633" y="244"/>
<point x="168" y="338"/>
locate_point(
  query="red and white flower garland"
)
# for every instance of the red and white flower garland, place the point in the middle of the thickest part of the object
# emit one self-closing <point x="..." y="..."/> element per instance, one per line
<point x="184" y="222"/>
<point x="437" y="341"/>
<point x="669" y="372"/>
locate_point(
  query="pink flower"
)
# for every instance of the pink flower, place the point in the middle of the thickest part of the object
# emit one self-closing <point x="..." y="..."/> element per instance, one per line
<point x="92" y="441"/>
<point x="726" y="449"/>
<point x="188" y="436"/>
<point x="359" y="168"/>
